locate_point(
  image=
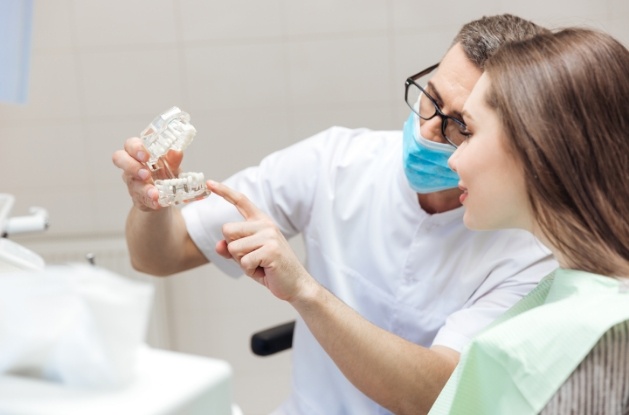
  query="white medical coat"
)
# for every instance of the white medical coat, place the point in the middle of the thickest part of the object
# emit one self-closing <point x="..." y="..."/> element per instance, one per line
<point x="423" y="277"/>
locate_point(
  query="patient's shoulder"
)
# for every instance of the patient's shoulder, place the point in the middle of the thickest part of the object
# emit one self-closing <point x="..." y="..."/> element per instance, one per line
<point x="600" y="384"/>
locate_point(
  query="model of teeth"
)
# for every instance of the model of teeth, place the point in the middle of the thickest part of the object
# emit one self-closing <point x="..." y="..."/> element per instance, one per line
<point x="172" y="131"/>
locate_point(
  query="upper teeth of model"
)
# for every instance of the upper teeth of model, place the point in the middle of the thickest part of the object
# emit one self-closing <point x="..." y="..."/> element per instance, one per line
<point x="172" y="131"/>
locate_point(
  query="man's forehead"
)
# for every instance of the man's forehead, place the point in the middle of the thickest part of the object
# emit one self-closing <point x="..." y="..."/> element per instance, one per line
<point x="454" y="79"/>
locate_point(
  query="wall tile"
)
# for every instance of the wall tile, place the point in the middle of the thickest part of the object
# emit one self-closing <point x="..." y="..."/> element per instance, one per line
<point x="102" y="138"/>
<point x="235" y="19"/>
<point x="412" y="53"/>
<point x="53" y="91"/>
<point x="420" y="16"/>
<point x="340" y="71"/>
<point x="557" y="13"/>
<point x="53" y="25"/>
<point x="124" y="83"/>
<point x="618" y="8"/>
<point x="43" y="156"/>
<point x="124" y="23"/>
<point x="69" y="207"/>
<point x="111" y="207"/>
<point x="230" y="140"/>
<point x="328" y="17"/>
<point x="245" y="76"/>
<point x="309" y="121"/>
<point x="619" y="29"/>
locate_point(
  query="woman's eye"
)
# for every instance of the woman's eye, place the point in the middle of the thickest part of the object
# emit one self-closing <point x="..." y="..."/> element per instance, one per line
<point x="465" y="131"/>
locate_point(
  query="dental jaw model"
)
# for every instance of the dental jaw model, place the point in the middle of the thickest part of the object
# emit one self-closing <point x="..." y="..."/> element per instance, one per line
<point x="172" y="131"/>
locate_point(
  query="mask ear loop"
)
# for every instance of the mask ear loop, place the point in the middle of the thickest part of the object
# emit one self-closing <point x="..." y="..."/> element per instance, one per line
<point x="172" y="131"/>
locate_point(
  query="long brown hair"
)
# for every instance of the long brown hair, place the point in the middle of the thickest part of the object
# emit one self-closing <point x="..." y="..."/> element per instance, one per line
<point x="563" y="100"/>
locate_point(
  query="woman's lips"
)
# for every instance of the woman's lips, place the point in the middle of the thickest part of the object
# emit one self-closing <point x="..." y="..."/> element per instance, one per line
<point x="463" y="195"/>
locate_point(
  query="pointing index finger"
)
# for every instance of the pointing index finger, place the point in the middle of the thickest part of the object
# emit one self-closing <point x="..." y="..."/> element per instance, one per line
<point x="246" y="208"/>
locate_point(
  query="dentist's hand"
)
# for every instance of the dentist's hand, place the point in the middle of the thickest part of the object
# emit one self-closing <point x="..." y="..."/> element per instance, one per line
<point x="260" y="249"/>
<point x="136" y="174"/>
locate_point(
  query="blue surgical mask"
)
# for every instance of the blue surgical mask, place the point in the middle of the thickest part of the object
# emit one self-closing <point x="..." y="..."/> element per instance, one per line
<point x="425" y="161"/>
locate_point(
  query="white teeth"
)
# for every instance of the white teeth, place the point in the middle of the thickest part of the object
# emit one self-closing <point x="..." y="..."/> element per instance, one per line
<point x="185" y="188"/>
<point x="172" y="131"/>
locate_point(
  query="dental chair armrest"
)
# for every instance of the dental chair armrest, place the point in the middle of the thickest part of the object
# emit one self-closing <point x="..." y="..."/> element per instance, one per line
<point x="273" y="340"/>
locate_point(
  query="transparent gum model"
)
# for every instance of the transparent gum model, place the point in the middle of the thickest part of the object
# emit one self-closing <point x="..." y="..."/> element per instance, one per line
<point x="172" y="131"/>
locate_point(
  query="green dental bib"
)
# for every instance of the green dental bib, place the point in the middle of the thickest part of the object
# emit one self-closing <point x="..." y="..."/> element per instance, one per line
<point x="517" y="364"/>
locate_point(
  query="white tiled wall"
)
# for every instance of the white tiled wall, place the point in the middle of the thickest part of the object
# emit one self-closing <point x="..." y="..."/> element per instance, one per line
<point x="256" y="75"/>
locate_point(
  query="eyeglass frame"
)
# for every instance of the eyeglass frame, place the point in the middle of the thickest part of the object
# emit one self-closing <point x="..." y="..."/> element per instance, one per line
<point x="438" y="111"/>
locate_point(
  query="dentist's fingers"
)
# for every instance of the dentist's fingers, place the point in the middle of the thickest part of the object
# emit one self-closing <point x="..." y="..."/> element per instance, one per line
<point x="243" y="240"/>
<point x="136" y="175"/>
<point x="241" y="246"/>
<point x="134" y="146"/>
<point x="174" y="158"/>
<point x="251" y="264"/>
<point x="256" y="244"/>
<point x="246" y="208"/>
<point x="130" y="160"/>
<point x="222" y="249"/>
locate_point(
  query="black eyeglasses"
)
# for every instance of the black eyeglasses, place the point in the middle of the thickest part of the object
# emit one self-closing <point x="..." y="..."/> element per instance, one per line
<point x="454" y="132"/>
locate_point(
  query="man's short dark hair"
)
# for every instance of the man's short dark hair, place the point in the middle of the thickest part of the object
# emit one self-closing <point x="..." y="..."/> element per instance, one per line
<point x="481" y="38"/>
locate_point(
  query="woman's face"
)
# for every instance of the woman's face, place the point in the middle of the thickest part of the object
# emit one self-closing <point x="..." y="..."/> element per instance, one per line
<point x="491" y="178"/>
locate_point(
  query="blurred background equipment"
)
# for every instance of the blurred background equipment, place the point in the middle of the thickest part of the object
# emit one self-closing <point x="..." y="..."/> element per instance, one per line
<point x="14" y="256"/>
<point x="16" y="19"/>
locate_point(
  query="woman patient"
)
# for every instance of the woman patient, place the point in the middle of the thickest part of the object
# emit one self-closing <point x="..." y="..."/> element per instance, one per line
<point x="548" y="152"/>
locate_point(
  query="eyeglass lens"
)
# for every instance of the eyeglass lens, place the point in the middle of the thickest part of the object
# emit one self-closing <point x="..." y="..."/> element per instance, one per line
<point x="452" y="129"/>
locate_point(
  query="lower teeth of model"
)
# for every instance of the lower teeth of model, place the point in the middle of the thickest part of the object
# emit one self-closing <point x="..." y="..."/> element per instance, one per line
<point x="183" y="189"/>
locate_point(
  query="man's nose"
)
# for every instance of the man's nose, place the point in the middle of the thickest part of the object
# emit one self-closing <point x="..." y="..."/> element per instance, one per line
<point x="431" y="129"/>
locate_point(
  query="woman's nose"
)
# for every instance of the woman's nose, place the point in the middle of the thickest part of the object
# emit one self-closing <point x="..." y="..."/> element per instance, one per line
<point x="453" y="159"/>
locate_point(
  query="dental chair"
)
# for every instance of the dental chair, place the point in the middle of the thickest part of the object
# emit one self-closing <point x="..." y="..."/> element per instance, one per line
<point x="14" y="256"/>
<point x="273" y="340"/>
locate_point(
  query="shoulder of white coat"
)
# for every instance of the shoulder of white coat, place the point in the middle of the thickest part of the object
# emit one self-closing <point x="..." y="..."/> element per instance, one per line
<point x="338" y="133"/>
<point x="360" y="142"/>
